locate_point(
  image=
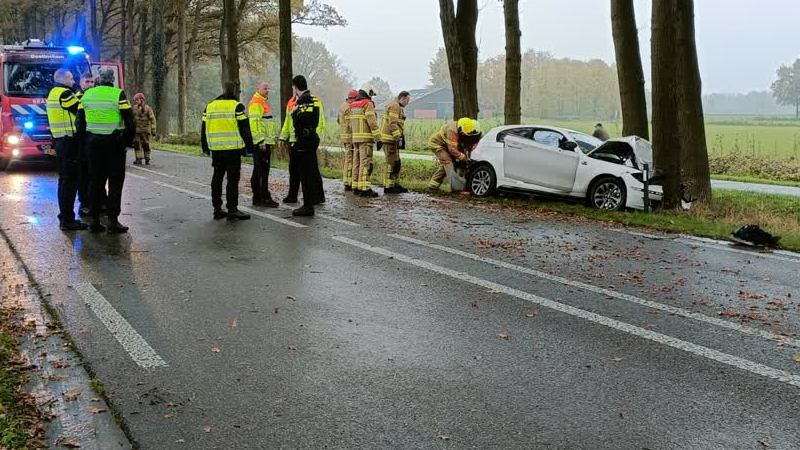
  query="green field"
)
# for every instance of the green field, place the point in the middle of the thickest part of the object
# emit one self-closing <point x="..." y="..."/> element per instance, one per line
<point x="751" y="136"/>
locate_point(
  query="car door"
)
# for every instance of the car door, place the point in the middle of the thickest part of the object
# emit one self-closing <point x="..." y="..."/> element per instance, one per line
<point x="541" y="161"/>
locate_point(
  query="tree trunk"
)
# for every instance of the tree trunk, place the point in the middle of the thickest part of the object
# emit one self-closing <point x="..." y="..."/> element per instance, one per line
<point x="513" y="106"/>
<point x="458" y="28"/>
<point x="123" y="32"/>
<point x="182" y="93"/>
<point x="692" y="129"/>
<point x="193" y="41"/>
<point x="229" y="44"/>
<point x="285" y="45"/>
<point x="159" y="69"/>
<point x="629" y="69"/>
<point x="97" y="47"/>
<point x="666" y="145"/>
<point x="140" y="63"/>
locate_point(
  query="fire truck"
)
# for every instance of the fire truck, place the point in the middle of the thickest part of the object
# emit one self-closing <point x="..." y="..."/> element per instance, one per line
<point x="26" y="77"/>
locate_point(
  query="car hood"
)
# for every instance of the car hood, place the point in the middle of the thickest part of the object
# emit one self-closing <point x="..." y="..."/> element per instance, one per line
<point x="623" y="146"/>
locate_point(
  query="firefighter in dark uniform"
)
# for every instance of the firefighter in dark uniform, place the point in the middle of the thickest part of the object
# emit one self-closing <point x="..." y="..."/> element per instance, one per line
<point x="62" y="110"/>
<point x="307" y="121"/>
<point x="107" y="118"/>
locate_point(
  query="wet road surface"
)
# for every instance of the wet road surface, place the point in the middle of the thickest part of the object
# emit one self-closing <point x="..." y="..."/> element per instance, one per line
<point x="413" y="322"/>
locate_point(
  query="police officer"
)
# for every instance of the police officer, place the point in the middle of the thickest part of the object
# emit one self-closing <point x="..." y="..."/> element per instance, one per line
<point x="62" y="109"/>
<point x="307" y="122"/>
<point x="225" y="135"/>
<point x="84" y="178"/>
<point x="107" y="119"/>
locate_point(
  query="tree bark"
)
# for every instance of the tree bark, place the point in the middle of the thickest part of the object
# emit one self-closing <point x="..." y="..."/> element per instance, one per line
<point x="513" y="97"/>
<point x="285" y="46"/>
<point x="229" y="49"/>
<point x="458" y="28"/>
<point x="629" y="69"/>
<point x="159" y="69"/>
<point x="182" y="92"/>
<point x="696" y="176"/>
<point x="140" y="62"/>
<point x="666" y="145"/>
<point x="97" y="48"/>
<point x="192" y="45"/>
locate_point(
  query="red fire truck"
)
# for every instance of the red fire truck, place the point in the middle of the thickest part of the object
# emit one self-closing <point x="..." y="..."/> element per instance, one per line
<point x="26" y="77"/>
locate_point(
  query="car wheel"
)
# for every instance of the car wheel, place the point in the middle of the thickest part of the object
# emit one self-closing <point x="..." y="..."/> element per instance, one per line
<point x="607" y="194"/>
<point x="482" y="181"/>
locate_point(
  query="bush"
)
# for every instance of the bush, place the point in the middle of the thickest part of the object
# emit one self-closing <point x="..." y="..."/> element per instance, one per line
<point x="770" y="168"/>
<point x="191" y="138"/>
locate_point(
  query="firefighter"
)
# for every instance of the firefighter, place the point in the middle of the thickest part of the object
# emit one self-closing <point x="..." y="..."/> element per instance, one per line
<point x="262" y="125"/>
<point x="451" y="142"/>
<point x="365" y="134"/>
<point x="145" y="128"/>
<point x="107" y="119"/>
<point x="225" y="135"/>
<point x="287" y="140"/>
<point x="62" y="108"/>
<point x="344" y="136"/>
<point x="84" y="178"/>
<point x="306" y="122"/>
<point x="392" y="140"/>
<point x="600" y="132"/>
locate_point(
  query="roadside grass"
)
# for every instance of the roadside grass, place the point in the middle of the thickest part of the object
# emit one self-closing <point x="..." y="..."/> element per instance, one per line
<point x="17" y="421"/>
<point x="778" y="214"/>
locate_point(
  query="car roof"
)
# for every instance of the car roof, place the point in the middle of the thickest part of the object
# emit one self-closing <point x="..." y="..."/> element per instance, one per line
<point x="525" y="125"/>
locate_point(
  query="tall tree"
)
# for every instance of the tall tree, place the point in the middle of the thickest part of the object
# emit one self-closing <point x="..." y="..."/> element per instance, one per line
<point x="285" y="52"/>
<point x="786" y="89"/>
<point x="159" y="55"/>
<point x="181" y="55"/>
<point x="438" y="72"/>
<point x="458" y="28"/>
<point x="513" y="97"/>
<point x="696" y="176"/>
<point x="229" y="42"/>
<point x="629" y="69"/>
<point x="666" y="145"/>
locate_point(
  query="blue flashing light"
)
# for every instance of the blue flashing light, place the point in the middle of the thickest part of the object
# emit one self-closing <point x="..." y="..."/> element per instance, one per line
<point x="28" y="125"/>
<point x="74" y="49"/>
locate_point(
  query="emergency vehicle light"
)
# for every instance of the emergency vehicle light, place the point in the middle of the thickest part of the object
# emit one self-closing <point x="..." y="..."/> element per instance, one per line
<point x="28" y="125"/>
<point x="74" y="49"/>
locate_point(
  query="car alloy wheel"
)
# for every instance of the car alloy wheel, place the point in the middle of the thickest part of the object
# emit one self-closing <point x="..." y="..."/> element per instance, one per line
<point x="481" y="182"/>
<point x="607" y="195"/>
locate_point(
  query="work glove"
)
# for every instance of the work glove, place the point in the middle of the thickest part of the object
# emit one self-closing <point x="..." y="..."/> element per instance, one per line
<point x="463" y="157"/>
<point x="379" y="145"/>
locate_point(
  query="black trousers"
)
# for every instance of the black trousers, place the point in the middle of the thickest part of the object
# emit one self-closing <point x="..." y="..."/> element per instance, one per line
<point x="68" y="152"/>
<point x="259" y="182"/>
<point x="226" y="162"/>
<point x="84" y="178"/>
<point x="107" y="165"/>
<point x="308" y="163"/>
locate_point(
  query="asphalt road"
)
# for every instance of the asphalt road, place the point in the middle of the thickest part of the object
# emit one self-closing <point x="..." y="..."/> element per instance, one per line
<point x="411" y="322"/>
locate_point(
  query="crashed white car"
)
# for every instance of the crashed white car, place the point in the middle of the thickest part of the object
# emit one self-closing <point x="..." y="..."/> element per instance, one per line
<point x="557" y="161"/>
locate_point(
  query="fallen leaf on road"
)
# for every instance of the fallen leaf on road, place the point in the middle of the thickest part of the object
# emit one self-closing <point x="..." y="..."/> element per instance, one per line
<point x="215" y="350"/>
<point x="652" y="311"/>
<point x="503" y="335"/>
<point x="292" y="347"/>
<point x="797" y="358"/>
<point x="207" y="429"/>
<point x="474" y="304"/>
<point x="706" y="303"/>
<point x="233" y="324"/>
<point x="94" y="410"/>
<point x="764" y="444"/>
<point x="168" y="416"/>
<point x="276" y="311"/>
<point x="95" y="399"/>
<point x="180" y="441"/>
<point x="83" y="330"/>
<point x="71" y="395"/>
<point x="69" y="443"/>
<point x="531" y="313"/>
<point x="616" y="359"/>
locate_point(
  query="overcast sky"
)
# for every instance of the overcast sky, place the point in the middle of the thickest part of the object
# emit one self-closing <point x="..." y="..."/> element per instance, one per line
<point x="740" y="42"/>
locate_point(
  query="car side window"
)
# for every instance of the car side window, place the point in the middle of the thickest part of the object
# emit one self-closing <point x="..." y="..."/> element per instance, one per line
<point x="521" y="132"/>
<point x="548" y="137"/>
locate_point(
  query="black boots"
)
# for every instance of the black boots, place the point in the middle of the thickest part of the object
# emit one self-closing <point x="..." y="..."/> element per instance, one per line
<point x="397" y="189"/>
<point x="114" y="227"/>
<point x="368" y="193"/>
<point x="220" y="213"/>
<point x="303" y="211"/>
<point x="237" y="215"/>
<point x="73" y="225"/>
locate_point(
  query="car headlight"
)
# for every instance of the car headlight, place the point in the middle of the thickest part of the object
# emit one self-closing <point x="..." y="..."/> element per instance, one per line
<point x="13" y="139"/>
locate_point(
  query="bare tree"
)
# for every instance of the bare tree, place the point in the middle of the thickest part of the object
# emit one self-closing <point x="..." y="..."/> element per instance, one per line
<point x="458" y="28"/>
<point x="629" y="69"/>
<point x="696" y="176"/>
<point x="666" y="145"/>
<point x="285" y="52"/>
<point x="181" y="54"/>
<point x="513" y="97"/>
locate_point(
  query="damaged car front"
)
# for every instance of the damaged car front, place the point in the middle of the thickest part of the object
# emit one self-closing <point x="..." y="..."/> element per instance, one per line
<point x="635" y="154"/>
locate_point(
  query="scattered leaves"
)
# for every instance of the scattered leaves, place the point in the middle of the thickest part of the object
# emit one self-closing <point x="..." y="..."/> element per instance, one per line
<point x="94" y="410"/>
<point x="72" y="395"/>
<point x="215" y="349"/>
<point x="207" y="429"/>
<point x="503" y="335"/>
<point x="652" y="311"/>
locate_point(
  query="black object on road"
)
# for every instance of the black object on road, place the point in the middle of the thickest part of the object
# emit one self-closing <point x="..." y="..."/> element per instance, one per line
<point x="754" y="236"/>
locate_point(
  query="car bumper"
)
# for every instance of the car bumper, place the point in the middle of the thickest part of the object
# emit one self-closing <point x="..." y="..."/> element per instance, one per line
<point x="635" y="193"/>
<point x="27" y="151"/>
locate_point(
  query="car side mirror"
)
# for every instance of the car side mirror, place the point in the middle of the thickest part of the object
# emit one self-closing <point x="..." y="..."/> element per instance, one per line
<point x="569" y="145"/>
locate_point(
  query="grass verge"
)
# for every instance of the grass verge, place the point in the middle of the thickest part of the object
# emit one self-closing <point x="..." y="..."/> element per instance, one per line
<point x="18" y="416"/>
<point x="779" y="214"/>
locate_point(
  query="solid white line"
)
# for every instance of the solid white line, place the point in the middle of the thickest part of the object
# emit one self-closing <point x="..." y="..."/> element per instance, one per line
<point x="133" y="343"/>
<point x="208" y="197"/>
<point x="630" y="298"/>
<point x="705" y="352"/>
<point x="196" y="183"/>
<point x="327" y="217"/>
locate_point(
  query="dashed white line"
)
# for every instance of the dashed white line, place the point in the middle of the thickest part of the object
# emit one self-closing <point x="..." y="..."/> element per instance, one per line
<point x="705" y="352"/>
<point x="133" y="343"/>
<point x="618" y="295"/>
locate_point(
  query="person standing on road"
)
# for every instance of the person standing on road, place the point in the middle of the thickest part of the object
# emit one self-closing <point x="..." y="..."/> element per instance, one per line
<point x="84" y="177"/>
<point x="225" y="135"/>
<point x="106" y="116"/>
<point x="450" y="143"/>
<point x="600" y="132"/>
<point x="343" y="118"/>
<point x="365" y="134"/>
<point x="307" y="122"/>
<point x="262" y="124"/>
<point x="145" y="128"/>
<point x="392" y="139"/>
<point x="62" y="110"/>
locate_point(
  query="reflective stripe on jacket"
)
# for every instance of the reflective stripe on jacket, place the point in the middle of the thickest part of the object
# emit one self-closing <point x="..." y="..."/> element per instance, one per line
<point x="364" y="121"/>
<point x="61" y="120"/>
<point x="262" y="122"/>
<point x="222" y="125"/>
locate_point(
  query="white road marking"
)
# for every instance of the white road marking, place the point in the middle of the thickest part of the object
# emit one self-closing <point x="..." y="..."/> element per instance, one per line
<point x="705" y="352"/>
<point x="208" y="197"/>
<point x="712" y="244"/>
<point x="133" y="343"/>
<point x="630" y="298"/>
<point x="321" y="215"/>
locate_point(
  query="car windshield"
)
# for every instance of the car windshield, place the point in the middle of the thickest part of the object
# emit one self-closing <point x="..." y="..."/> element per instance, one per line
<point x="585" y="142"/>
<point x="35" y="79"/>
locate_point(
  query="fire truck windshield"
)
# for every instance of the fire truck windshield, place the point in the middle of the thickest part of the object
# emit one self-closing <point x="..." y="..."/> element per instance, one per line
<point x="33" y="79"/>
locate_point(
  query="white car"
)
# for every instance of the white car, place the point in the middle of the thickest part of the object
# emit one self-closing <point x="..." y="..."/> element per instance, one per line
<point x="558" y="161"/>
